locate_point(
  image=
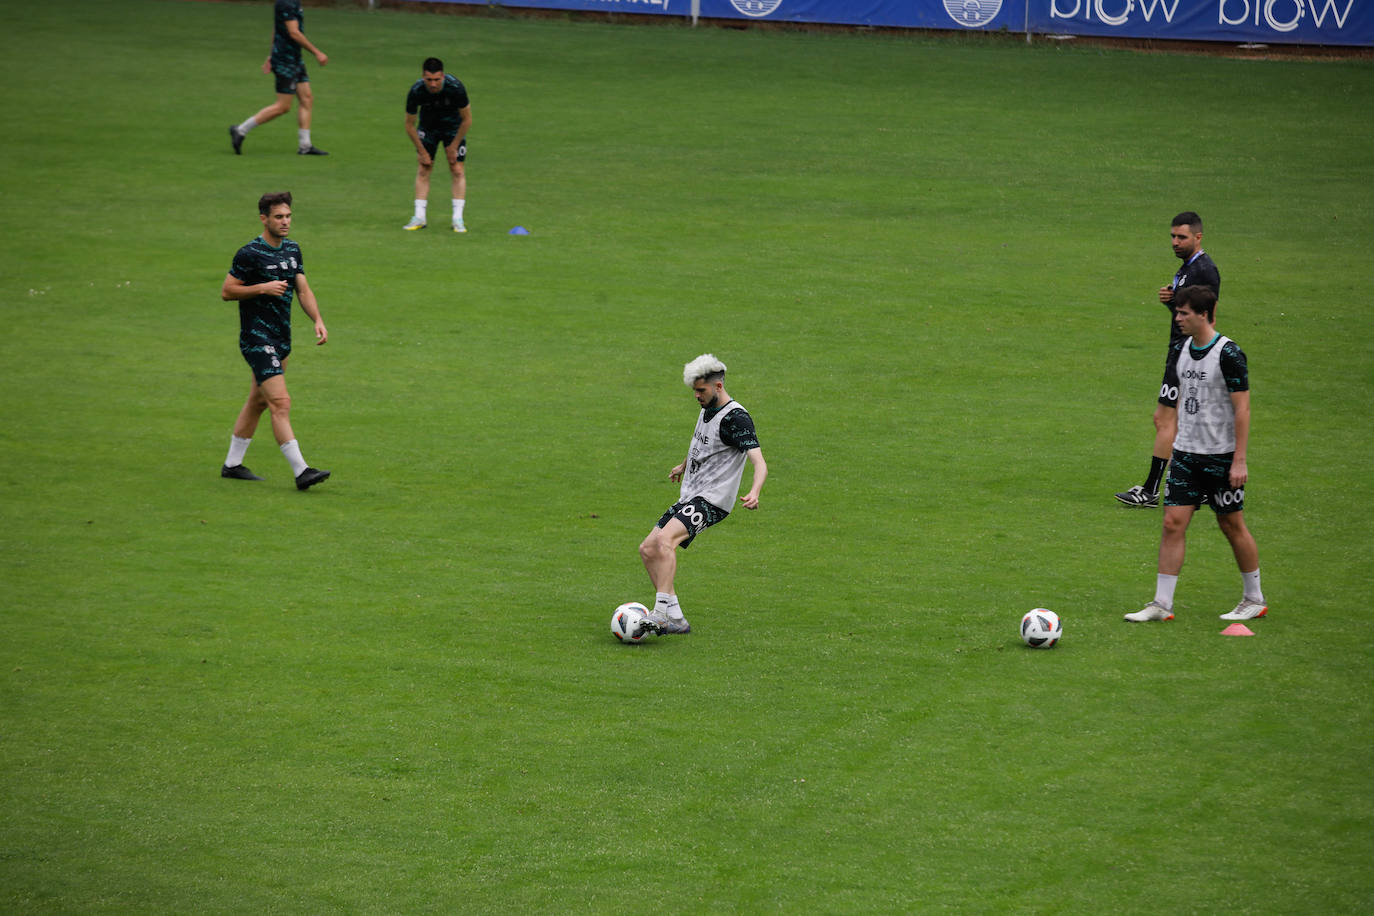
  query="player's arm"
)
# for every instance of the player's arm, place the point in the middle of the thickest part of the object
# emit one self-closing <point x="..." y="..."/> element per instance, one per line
<point x="311" y="308"/>
<point x="465" y="121"/>
<point x="234" y="289"/>
<point x="414" y="135"/>
<point x="293" y="29"/>
<point x="676" y="473"/>
<point x="1240" y="400"/>
<point x="755" y="456"/>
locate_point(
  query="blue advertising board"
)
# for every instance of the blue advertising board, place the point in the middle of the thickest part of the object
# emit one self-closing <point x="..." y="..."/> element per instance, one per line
<point x="1304" y="22"/>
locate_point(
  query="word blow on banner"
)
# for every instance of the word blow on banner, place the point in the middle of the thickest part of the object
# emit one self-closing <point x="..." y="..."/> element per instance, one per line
<point x="1304" y="22"/>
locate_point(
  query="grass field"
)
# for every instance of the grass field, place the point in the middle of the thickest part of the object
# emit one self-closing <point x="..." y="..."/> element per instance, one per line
<point x="931" y="267"/>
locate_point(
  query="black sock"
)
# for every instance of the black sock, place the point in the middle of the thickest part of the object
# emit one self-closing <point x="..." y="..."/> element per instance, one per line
<point x="1157" y="466"/>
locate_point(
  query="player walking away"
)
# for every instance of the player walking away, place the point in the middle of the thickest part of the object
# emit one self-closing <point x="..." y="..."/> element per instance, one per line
<point x="440" y="102"/>
<point x="284" y="61"/>
<point x="1197" y="270"/>
<point x="723" y="439"/>
<point x="265" y="274"/>
<point x="1209" y="454"/>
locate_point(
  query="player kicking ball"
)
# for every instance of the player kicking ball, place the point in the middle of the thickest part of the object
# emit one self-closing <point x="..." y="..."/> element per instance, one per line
<point x="1209" y="454"/>
<point x="724" y="439"/>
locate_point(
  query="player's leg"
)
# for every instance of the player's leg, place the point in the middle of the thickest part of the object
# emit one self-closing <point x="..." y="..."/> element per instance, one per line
<point x="658" y="551"/>
<point x="1247" y="559"/>
<point x="278" y="108"/>
<point x="244" y="427"/>
<point x="1173" y="540"/>
<point x="457" y="152"/>
<point x="1172" y="544"/>
<point x="1146" y="495"/>
<point x="304" y="112"/>
<point x="422" y="172"/>
<point x="279" y="405"/>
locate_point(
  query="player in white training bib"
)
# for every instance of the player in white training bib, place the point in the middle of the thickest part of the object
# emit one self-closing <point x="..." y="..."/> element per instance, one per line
<point x="1209" y="454"/>
<point x="723" y="441"/>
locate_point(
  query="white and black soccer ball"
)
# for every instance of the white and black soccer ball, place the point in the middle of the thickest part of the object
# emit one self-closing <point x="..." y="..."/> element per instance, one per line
<point x="630" y="622"/>
<point x="1041" y="629"/>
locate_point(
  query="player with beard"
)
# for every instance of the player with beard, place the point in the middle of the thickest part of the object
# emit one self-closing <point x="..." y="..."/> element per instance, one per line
<point x="1185" y="235"/>
<point x="723" y="441"/>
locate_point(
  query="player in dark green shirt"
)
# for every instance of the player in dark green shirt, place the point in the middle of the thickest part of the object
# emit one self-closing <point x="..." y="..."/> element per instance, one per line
<point x="284" y="60"/>
<point x="439" y="102"/>
<point x="266" y="275"/>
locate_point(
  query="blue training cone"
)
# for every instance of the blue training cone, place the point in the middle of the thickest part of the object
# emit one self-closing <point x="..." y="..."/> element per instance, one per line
<point x="519" y="230"/>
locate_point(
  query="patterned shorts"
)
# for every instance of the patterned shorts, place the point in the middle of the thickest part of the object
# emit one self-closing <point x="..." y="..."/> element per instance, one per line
<point x="265" y="359"/>
<point x="1195" y="479"/>
<point x="288" y="75"/>
<point x="696" y="516"/>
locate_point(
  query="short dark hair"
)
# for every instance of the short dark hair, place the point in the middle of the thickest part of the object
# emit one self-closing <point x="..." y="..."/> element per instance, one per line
<point x="1199" y="299"/>
<point x="267" y="201"/>
<point x="1190" y="219"/>
<point x="432" y="65"/>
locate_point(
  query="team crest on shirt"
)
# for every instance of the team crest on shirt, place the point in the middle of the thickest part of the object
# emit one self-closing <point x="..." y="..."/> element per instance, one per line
<point x="972" y="14"/>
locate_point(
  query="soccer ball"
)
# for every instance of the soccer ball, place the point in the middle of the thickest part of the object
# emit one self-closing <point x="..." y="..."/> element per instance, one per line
<point x="1041" y="629"/>
<point x="630" y="622"/>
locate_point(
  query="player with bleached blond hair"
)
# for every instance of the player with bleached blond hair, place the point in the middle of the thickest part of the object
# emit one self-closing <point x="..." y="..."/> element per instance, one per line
<point x="724" y="439"/>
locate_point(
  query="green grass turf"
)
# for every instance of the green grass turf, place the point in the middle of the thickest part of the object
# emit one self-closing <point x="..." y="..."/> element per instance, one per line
<point x="931" y="266"/>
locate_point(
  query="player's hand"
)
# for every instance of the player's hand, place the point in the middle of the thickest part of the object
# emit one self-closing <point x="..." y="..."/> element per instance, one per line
<point x="676" y="473"/>
<point x="750" y="500"/>
<point x="1166" y="294"/>
<point x="274" y="287"/>
<point x="1239" y="473"/>
<point x="267" y="65"/>
<point x="322" y="57"/>
<point x="425" y="158"/>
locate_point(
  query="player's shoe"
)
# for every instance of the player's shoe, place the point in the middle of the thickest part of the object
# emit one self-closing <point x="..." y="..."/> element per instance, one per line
<point x="1246" y="610"/>
<point x="238" y="472"/>
<point x="662" y="624"/>
<point x="415" y="223"/>
<point x="236" y="138"/>
<point x="458" y="226"/>
<point x="309" y="477"/>
<point x="1138" y="498"/>
<point x="311" y="151"/>
<point x="1152" y="611"/>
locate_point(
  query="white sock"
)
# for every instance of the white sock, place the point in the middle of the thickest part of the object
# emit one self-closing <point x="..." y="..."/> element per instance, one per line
<point x="292" y="451"/>
<point x="421" y="209"/>
<point x="458" y="209"/>
<point x="248" y="125"/>
<point x="1164" y="591"/>
<point x="1252" y="586"/>
<point x="303" y="134"/>
<point x="237" y="448"/>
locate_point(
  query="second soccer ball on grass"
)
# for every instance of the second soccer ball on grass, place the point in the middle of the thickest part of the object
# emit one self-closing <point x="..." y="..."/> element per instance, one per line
<point x="1041" y="629"/>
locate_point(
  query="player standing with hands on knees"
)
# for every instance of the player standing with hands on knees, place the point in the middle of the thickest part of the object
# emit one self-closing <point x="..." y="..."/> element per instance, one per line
<point x="284" y="61"/>
<point x="1185" y="234"/>
<point x="1209" y="462"/>
<point x="724" y="439"/>
<point x="265" y="274"/>
<point x="439" y="102"/>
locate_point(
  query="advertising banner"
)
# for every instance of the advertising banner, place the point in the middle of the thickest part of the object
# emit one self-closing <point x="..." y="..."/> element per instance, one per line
<point x="1305" y="22"/>
<point x="905" y="14"/>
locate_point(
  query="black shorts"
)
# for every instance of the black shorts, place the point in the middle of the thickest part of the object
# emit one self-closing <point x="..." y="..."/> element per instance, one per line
<point x="264" y="359"/>
<point x="1168" y="389"/>
<point x="288" y="75"/>
<point x="1195" y="479"/>
<point x="433" y="139"/>
<point x="696" y="516"/>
